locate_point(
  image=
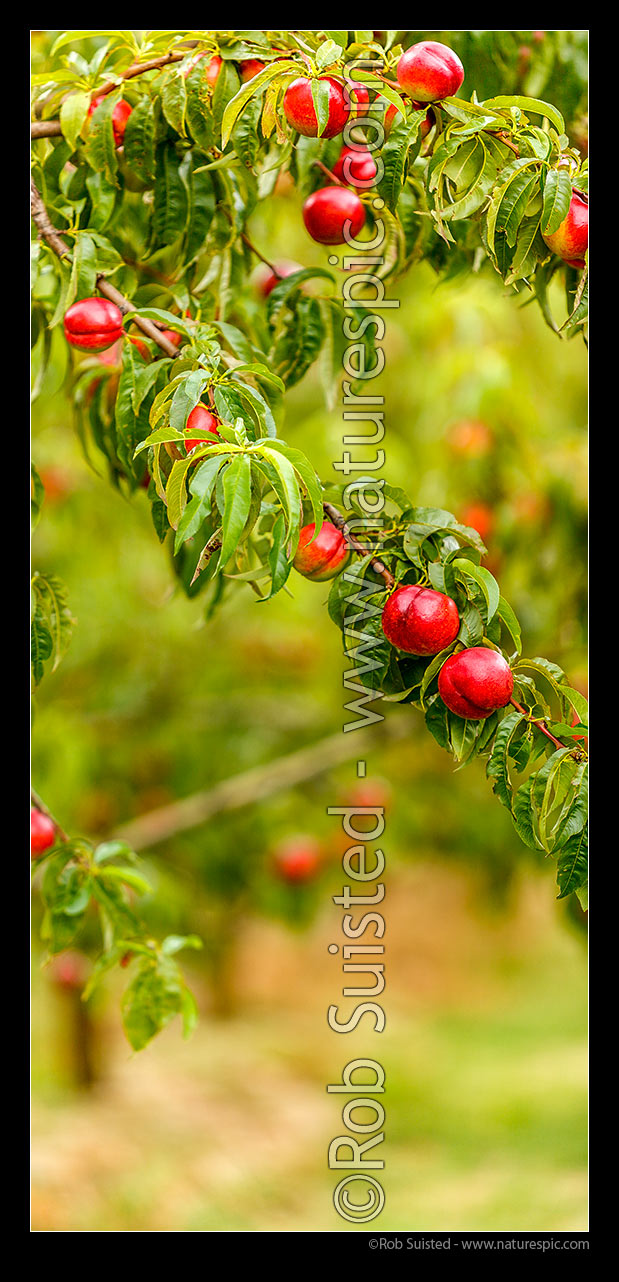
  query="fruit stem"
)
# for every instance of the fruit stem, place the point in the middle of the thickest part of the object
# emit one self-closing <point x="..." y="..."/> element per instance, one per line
<point x="339" y="521"/>
<point x="540" y="724"/>
<point x="331" y="176"/>
<point x="250" y="245"/>
<point x="49" y="233"/>
<point x="504" y="138"/>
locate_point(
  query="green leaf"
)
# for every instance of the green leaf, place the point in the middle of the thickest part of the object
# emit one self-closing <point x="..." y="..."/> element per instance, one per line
<point x="175" y="490"/>
<point x="111" y="850"/>
<point x="73" y="115"/>
<point x="307" y="475"/>
<point x="152" y="999"/>
<point x="175" y="943"/>
<point x="508" y="618"/>
<point x="171" y="202"/>
<point x="535" y="105"/>
<point x="237" y="498"/>
<point x="497" y="768"/>
<point x="328" y="52"/>
<point x="100" y="148"/>
<point x="259" y="404"/>
<point x="486" y="581"/>
<point x="52" y="618"/>
<point x="320" y="99"/>
<point x="139" y="140"/>
<point x="394" y="154"/>
<point x="199" y="506"/>
<point x="128" y="877"/>
<point x="247" y="91"/>
<point x="299" y="334"/>
<point x="288" y="490"/>
<point x="557" y="197"/>
<point x="187" y="396"/>
<point x="84" y="267"/>
<point x="279" y="564"/>
<point x="174" y="101"/>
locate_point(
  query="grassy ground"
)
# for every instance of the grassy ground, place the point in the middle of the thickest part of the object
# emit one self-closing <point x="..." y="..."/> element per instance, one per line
<point x="484" y="1052"/>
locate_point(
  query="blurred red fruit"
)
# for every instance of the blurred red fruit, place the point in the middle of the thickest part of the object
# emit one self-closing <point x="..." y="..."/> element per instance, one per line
<point x="70" y="970"/>
<point x="470" y="438"/>
<point x="42" y="833"/>
<point x="250" y="68"/>
<point x="297" y="860"/>
<point x="266" y="280"/>
<point x="480" y="517"/>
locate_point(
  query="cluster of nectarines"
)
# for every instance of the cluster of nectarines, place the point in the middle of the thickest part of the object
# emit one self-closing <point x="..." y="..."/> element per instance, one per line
<point x="421" y="621"/>
<point x="427" y="72"/>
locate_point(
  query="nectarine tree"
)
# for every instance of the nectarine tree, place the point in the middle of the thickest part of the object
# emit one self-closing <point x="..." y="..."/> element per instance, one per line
<point x="150" y="152"/>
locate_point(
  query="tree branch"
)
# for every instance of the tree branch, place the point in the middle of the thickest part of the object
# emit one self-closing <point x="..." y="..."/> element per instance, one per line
<point x="49" y="233"/>
<point x="254" y="785"/>
<point x="339" y="521"/>
<point x="51" y="128"/>
<point x="541" y="725"/>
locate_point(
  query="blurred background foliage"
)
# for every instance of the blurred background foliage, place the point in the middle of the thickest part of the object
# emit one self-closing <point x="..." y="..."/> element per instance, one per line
<point x="485" y="409"/>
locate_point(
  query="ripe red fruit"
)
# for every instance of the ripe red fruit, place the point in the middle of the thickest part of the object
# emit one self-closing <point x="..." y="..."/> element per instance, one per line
<point x="420" y="620"/>
<point x="120" y="116"/>
<point x="172" y="336"/>
<point x="300" y="112"/>
<point x="266" y="280"/>
<point x="571" y="238"/>
<point x="324" y="557"/>
<point x="356" y="166"/>
<point x="141" y="346"/>
<point x="70" y="970"/>
<point x="475" y="682"/>
<point x="430" y="71"/>
<point x="202" y="419"/>
<point x="480" y="517"/>
<point x="250" y="68"/>
<point x="93" y="324"/>
<point x="326" y="212"/>
<point x="42" y="833"/>
<point x="298" y="859"/>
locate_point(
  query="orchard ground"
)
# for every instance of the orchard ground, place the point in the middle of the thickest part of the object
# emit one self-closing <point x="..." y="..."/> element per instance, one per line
<point x="484" y="1050"/>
